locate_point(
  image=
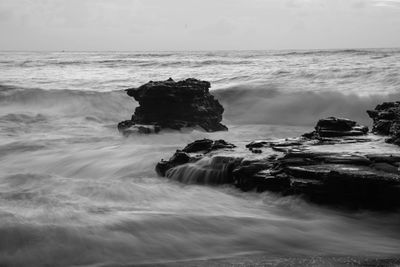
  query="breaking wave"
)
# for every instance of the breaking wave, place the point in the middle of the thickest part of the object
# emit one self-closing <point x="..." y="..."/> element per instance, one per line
<point x="244" y="104"/>
<point x="104" y="106"/>
<point x="267" y="104"/>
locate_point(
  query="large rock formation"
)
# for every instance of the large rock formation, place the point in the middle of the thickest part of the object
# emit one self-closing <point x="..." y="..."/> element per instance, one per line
<point x="174" y="105"/>
<point x="349" y="170"/>
<point x="386" y="119"/>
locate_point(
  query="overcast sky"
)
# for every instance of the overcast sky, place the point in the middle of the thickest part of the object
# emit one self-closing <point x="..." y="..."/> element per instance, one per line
<point x="198" y="24"/>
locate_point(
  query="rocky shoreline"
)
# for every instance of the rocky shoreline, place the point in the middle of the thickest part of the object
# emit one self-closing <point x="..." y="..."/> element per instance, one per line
<point x="350" y="172"/>
<point x="340" y="163"/>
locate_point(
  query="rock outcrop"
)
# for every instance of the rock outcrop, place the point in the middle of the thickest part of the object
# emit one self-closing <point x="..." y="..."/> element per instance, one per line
<point x="337" y="127"/>
<point x="386" y="119"/>
<point x="348" y="170"/>
<point x="174" y="105"/>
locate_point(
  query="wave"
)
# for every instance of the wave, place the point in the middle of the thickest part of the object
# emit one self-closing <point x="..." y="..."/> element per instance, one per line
<point x="358" y="52"/>
<point x="18" y="104"/>
<point x="244" y="104"/>
<point x="88" y="62"/>
<point x="268" y="104"/>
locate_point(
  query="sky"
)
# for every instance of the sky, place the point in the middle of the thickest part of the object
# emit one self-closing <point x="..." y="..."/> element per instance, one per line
<point x="165" y="25"/>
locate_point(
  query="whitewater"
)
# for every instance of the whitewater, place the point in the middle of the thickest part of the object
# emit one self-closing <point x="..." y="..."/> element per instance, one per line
<point x="74" y="192"/>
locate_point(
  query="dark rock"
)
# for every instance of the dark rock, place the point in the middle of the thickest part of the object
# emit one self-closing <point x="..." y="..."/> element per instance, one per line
<point x="212" y="171"/>
<point x="386" y="121"/>
<point x="174" y="105"/>
<point x="384" y="157"/>
<point x="177" y="159"/>
<point x="207" y="145"/>
<point x="308" y="166"/>
<point x="336" y="127"/>
<point x="257" y="144"/>
<point x="351" y="180"/>
<point x="256" y="151"/>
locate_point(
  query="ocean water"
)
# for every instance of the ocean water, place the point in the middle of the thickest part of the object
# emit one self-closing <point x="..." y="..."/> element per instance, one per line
<point x="74" y="192"/>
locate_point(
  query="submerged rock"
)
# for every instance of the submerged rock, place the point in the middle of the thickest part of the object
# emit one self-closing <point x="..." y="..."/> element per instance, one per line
<point x="175" y="105"/>
<point x="386" y="117"/>
<point x="128" y="127"/>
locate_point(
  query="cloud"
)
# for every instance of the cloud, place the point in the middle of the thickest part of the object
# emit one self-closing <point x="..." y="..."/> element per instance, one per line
<point x="387" y="3"/>
<point x="197" y="25"/>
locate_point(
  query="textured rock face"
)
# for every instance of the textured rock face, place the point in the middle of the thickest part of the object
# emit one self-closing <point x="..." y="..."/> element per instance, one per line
<point x="183" y="156"/>
<point x="348" y="171"/>
<point x="386" y="119"/>
<point x="350" y="179"/>
<point x="337" y="127"/>
<point x="174" y="105"/>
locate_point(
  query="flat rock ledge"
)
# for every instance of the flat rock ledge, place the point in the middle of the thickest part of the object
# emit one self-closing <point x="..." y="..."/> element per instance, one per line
<point x="173" y="105"/>
<point x="350" y="171"/>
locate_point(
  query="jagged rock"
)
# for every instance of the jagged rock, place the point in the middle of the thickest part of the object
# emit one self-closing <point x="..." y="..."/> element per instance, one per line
<point x="386" y="120"/>
<point x="336" y="127"/>
<point x="174" y="105"/>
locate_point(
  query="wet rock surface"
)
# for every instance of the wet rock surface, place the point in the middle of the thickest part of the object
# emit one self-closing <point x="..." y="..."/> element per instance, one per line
<point x="207" y="145"/>
<point x="337" y="127"/>
<point x="386" y="121"/>
<point x="349" y="171"/>
<point x="174" y="105"/>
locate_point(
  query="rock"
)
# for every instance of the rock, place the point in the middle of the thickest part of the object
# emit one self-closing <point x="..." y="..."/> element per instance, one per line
<point x="336" y="127"/>
<point x="211" y="171"/>
<point x="307" y="168"/>
<point x="256" y="151"/>
<point x="337" y="164"/>
<point x="177" y="159"/>
<point x="386" y="121"/>
<point x="257" y="144"/>
<point x="174" y="105"/>
<point x="384" y="157"/>
<point x="183" y="156"/>
<point x="207" y="145"/>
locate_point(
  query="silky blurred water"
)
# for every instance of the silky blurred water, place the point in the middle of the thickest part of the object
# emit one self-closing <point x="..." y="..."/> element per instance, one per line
<point x="73" y="191"/>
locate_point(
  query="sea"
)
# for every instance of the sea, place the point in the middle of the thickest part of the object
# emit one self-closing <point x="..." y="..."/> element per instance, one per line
<point x="75" y="192"/>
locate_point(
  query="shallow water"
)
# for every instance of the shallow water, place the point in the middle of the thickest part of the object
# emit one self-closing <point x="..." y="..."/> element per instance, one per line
<point x="75" y="192"/>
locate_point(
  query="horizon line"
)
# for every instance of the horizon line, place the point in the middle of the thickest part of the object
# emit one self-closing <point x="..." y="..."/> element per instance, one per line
<point x="206" y="50"/>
